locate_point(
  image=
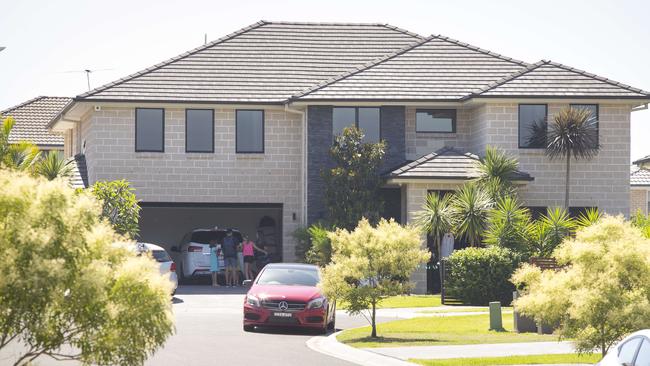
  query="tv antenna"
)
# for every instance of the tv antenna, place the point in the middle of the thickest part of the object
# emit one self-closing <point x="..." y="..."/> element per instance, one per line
<point x="88" y="72"/>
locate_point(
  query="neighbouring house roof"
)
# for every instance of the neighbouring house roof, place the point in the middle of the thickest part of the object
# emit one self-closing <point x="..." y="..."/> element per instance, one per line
<point x="79" y="176"/>
<point x="445" y="164"/>
<point x="280" y="62"/>
<point x="639" y="177"/>
<point x="551" y="79"/>
<point x="645" y="159"/>
<point x="264" y="63"/>
<point x="435" y="68"/>
<point x="32" y="118"/>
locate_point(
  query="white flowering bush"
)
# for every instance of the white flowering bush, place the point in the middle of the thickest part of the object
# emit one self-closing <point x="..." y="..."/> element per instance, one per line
<point x="67" y="279"/>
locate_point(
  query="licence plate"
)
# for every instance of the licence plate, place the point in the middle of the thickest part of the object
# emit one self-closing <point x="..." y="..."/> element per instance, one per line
<point x="282" y="315"/>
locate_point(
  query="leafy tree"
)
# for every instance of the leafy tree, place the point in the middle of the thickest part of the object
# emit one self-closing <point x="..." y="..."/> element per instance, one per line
<point x="573" y="133"/>
<point x="496" y="170"/>
<point x="18" y="156"/>
<point x="119" y="205"/>
<point x="53" y="166"/>
<point x="509" y="226"/>
<point x="352" y="186"/>
<point x="470" y="207"/>
<point x="549" y="231"/>
<point x="436" y="217"/>
<point x="602" y="292"/>
<point x="314" y="244"/>
<point x="371" y="263"/>
<point x="66" y="280"/>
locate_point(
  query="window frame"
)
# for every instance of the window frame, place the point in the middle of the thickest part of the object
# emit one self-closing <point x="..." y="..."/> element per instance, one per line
<point x="577" y="105"/>
<point x="636" y="352"/>
<point x="211" y="151"/>
<point x="356" y="120"/>
<point x="454" y="119"/>
<point x="237" y="151"/>
<point x="519" y="124"/>
<point x="136" y="130"/>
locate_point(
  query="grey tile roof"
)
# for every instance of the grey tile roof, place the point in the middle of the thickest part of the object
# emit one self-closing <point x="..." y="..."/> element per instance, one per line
<point x="79" y="176"/>
<point x="446" y="163"/>
<point x="548" y="78"/>
<point x="436" y="68"/>
<point x="32" y="118"/>
<point x="640" y="177"/>
<point x="266" y="62"/>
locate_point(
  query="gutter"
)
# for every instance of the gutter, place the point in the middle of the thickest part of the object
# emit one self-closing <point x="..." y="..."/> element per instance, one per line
<point x="303" y="173"/>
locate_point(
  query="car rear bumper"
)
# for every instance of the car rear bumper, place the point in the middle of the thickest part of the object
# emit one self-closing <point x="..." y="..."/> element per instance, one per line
<point x="313" y="318"/>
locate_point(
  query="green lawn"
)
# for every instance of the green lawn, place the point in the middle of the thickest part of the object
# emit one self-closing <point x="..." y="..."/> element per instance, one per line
<point x="454" y="309"/>
<point x="433" y="331"/>
<point x="405" y="301"/>
<point x="513" y="360"/>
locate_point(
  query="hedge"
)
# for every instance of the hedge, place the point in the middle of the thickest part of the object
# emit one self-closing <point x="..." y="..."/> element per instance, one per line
<point x="477" y="276"/>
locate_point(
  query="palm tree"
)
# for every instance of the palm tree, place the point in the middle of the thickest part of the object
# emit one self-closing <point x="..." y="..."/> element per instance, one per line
<point x="496" y="169"/>
<point x="436" y="217"/>
<point x="573" y="133"/>
<point x="470" y="207"/>
<point x="21" y="155"/>
<point x="508" y="225"/>
<point x="549" y="231"/>
<point x="53" y="166"/>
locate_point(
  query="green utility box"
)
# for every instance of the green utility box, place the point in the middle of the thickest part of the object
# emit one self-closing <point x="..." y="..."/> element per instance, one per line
<point x="495" y="316"/>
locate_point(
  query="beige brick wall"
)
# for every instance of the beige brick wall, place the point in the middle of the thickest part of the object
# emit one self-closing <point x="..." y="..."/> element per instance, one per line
<point x="220" y="177"/>
<point x="422" y="143"/>
<point x="415" y="197"/>
<point x="603" y="182"/>
<point x="638" y="201"/>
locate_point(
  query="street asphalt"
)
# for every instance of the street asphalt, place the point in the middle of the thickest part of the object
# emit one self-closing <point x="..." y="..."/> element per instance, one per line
<point x="209" y="332"/>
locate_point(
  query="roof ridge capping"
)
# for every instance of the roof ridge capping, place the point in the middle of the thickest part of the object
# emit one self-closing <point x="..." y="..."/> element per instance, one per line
<point x="361" y="68"/>
<point x="597" y="77"/>
<point x="30" y="101"/>
<point x="482" y="50"/>
<point x="544" y="62"/>
<point x="173" y="59"/>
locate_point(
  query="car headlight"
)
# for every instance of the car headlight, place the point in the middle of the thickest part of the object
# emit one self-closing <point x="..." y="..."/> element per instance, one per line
<point x="316" y="303"/>
<point x="253" y="301"/>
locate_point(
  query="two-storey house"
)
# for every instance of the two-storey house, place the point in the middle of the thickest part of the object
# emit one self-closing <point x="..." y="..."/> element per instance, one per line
<point x="237" y="132"/>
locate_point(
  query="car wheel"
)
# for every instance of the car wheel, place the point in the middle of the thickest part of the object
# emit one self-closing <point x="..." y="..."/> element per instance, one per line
<point x="249" y="328"/>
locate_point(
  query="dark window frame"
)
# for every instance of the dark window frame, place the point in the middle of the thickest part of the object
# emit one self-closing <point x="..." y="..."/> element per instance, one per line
<point x="263" y="132"/>
<point x="454" y="119"/>
<point x="577" y="105"/>
<point x="163" y="130"/>
<point x="519" y="124"/>
<point x="356" y="119"/>
<point x="212" y="134"/>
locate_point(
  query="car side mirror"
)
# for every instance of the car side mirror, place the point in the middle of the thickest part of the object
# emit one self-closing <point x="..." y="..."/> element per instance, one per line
<point x="248" y="283"/>
<point x="174" y="249"/>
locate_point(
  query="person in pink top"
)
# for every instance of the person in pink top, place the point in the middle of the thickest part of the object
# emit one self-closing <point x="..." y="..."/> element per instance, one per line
<point x="248" y="250"/>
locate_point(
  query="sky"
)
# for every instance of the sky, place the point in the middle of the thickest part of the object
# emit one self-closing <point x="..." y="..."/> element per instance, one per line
<point x="50" y="43"/>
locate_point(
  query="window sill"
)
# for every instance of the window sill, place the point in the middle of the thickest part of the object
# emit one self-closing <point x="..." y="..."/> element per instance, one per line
<point x="250" y="156"/>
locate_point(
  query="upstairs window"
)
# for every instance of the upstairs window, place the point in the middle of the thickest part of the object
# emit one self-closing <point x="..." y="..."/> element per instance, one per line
<point x="593" y="108"/>
<point x="367" y="119"/>
<point x="435" y="120"/>
<point x="199" y="130"/>
<point x="149" y="130"/>
<point x="250" y="131"/>
<point x="532" y="126"/>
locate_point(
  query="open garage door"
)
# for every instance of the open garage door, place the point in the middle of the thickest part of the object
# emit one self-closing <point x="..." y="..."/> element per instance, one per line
<point x="165" y="224"/>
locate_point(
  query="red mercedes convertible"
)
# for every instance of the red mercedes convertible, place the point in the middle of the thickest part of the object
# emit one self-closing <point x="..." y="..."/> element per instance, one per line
<point x="285" y="294"/>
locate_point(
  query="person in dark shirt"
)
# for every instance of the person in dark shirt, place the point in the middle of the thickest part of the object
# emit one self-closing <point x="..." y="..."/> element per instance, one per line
<point x="229" y="248"/>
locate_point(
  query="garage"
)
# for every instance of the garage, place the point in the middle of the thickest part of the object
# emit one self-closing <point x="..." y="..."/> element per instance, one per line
<point x="165" y="224"/>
